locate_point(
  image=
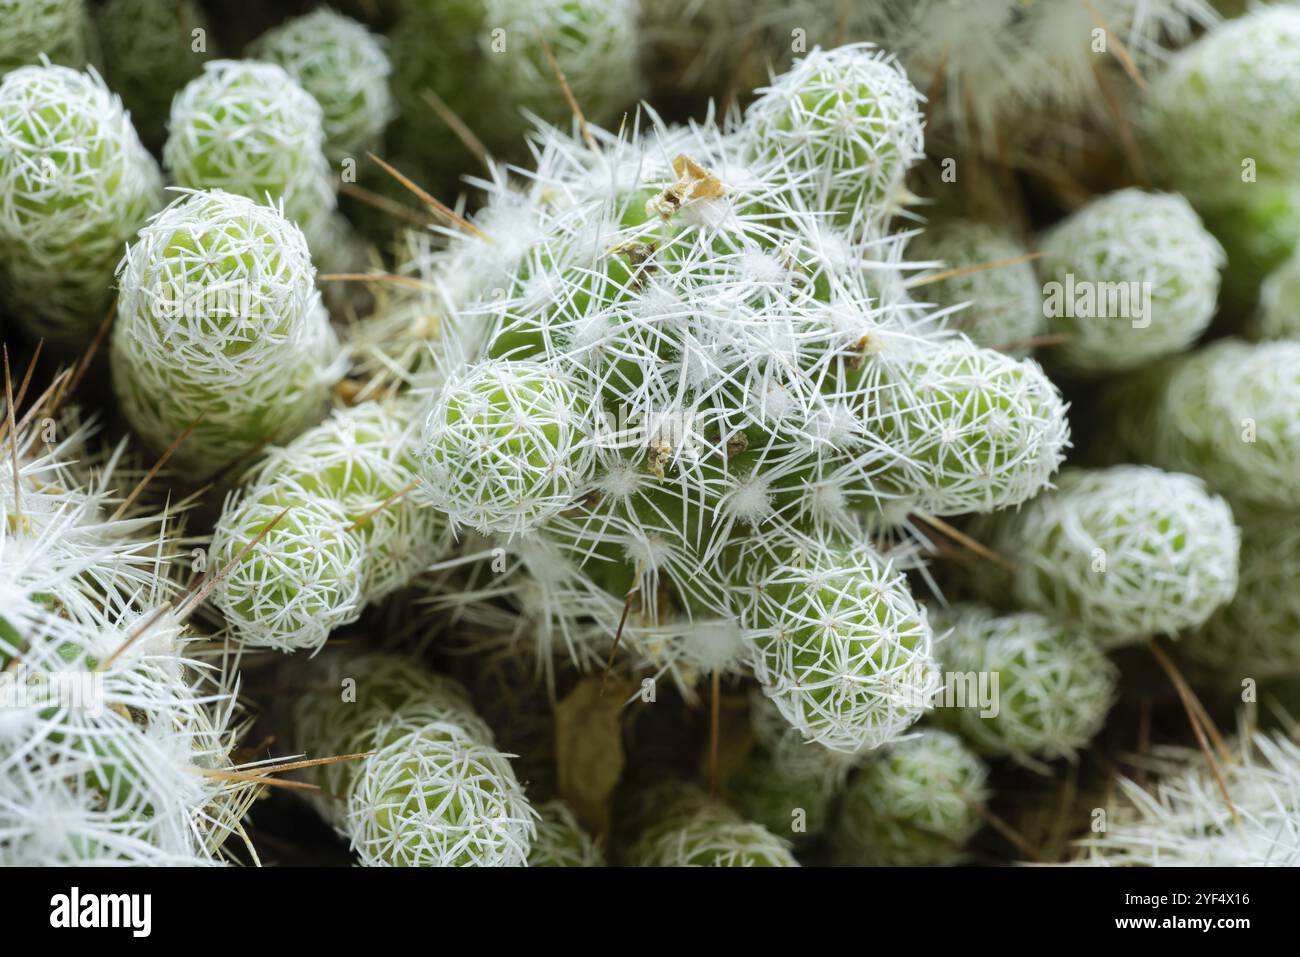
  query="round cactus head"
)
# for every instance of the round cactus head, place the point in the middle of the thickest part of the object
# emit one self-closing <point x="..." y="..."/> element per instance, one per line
<point x="75" y="184"/>
<point x="343" y="66"/>
<point x="507" y="445"/>
<point x="219" y="324"/>
<point x="972" y="429"/>
<point x="838" y="642"/>
<point x="58" y="29"/>
<point x="915" y="804"/>
<point x="1123" y="553"/>
<point x="432" y="796"/>
<point x="844" y="125"/>
<point x="1054" y="688"/>
<point x="249" y="128"/>
<point x="683" y="827"/>
<point x="1129" y="278"/>
<point x="294" y="576"/>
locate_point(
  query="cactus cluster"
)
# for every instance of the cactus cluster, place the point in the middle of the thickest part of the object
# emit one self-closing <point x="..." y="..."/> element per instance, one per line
<point x="889" y="427"/>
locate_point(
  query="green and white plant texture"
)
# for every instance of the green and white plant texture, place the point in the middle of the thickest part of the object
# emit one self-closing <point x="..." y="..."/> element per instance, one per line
<point x="349" y="535"/>
<point x="1225" y="413"/>
<point x="221" y="343"/>
<point x="75" y="185"/>
<point x="1225" y="101"/>
<point x="344" y="67"/>
<point x="152" y="48"/>
<point x="561" y="841"/>
<point x="493" y="66"/>
<point x="1054" y="688"/>
<point x="115" y="737"/>
<point x="688" y="829"/>
<point x="915" y="804"/>
<point x="58" y="29"/>
<point x="434" y="791"/>
<point x="1121" y="553"/>
<point x="249" y="128"/>
<point x="683" y="380"/>
<point x="1129" y="278"/>
<point x="1185" y="821"/>
<point x="998" y="307"/>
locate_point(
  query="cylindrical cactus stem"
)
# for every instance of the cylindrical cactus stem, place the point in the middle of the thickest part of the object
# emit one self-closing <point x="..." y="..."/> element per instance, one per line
<point x="1222" y="107"/>
<point x="434" y="791"/>
<point x="350" y="536"/>
<point x="1120" y="553"/>
<point x="344" y="67"/>
<point x="843" y="126"/>
<point x="913" y="804"/>
<point x="249" y="128"/>
<point x="75" y="185"/>
<point x="1129" y="278"/>
<point x="838" y="642"/>
<point x="1054" y="688"/>
<point x="220" y="331"/>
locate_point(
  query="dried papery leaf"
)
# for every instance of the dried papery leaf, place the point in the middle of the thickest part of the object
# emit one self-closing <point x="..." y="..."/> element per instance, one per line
<point x="589" y="748"/>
